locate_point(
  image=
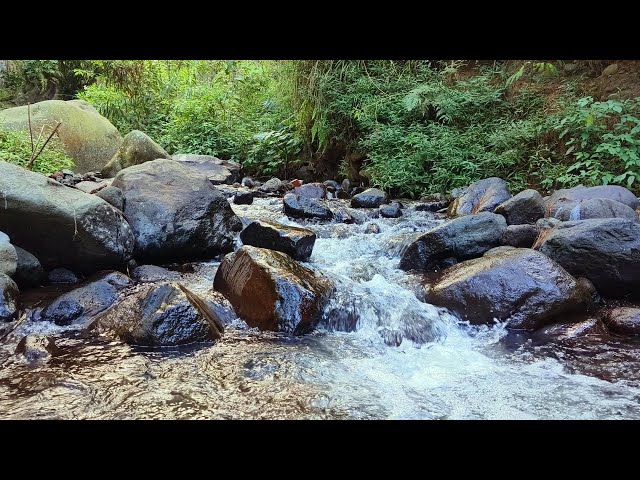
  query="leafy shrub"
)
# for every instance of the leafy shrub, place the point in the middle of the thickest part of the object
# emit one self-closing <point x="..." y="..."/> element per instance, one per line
<point x="604" y="140"/>
<point x="15" y="147"/>
<point x="274" y="151"/>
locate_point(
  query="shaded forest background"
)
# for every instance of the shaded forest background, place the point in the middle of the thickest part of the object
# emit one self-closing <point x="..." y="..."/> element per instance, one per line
<point x="410" y="127"/>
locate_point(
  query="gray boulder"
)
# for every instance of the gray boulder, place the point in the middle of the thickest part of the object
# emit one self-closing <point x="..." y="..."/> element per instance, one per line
<point x="113" y="196"/>
<point x="524" y="208"/>
<point x="29" y="272"/>
<point x="370" y="198"/>
<point x="304" y="207"/>
<point x="216" y="170"/>
<point x="82" y="231"/>
<point x="610" y="192"/>
<point x="519" y="285"/>
<point x="295" y="242"/>
<point x="522" y="236"/>
<point x="482" y="196"/>
<point x="569" y="210"/>
<point x="137" y="148"/>
<point x="458" y="239"/>
<point x="8" y="256"/>
<point x="175" y="212"/>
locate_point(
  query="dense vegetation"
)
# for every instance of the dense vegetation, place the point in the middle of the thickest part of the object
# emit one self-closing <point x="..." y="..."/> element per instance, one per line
<point x="412" y="127"/>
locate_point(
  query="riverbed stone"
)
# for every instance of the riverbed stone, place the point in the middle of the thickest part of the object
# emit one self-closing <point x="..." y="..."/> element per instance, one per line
<point x="481" y="196"/>
<point x="295" y="242"/>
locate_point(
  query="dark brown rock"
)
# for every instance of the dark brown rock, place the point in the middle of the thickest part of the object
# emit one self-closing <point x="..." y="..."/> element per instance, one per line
<point x="271" y="291"/>
<point x="623" y="320"/>
<point x="295" y="242"/>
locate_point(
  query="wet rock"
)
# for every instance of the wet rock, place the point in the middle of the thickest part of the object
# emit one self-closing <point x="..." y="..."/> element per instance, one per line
<point x="567" y="331"/>
<point x="391" y="211"/>
<point x="185" y="218"/>
<point x="458" y="239"/>
<point x="371" y="198"/>
<point x="610" y="192"/>
<point x="303" y="207"/>
<point x="520" y="285"/>
<point x="8" y="256"/>
<point x="29" y="272"/>
<point x="82" y="304"/>
<point x="37" y="348"/>
<point x="88" y="137"/>
<point x="153" y="273"/>
<point x="243" y="198"/>
<point x="271" y="291"/>
<point x="158" y="315"/>
<point x="90" y="187"/>
<point x="271" y="186"/>
<point x="8" y="298"/>
<point x="372" y="228"/>
<point x="431" y="206"/>
<point x="247" y="182"/>
<point x="112" y="195"/>
<point x="391" y="337"/>
<point x="137" y="148"/>
<point x="524" y="208"/>
<point x="606" y="251"/>
<point x="522" y="236"/>
<point x="62" y="276"/>
<point x="569" y="210"/>
<point x="82" y="231"/>
<point x="295" y="242"/>
<point x="481" y="196"/>
<point x="332" y="186"/>
<point x="346" y="185"/>
<point x="216" y="170"/>
<point x="311" y="190"/>
<point x="623" y="320"/>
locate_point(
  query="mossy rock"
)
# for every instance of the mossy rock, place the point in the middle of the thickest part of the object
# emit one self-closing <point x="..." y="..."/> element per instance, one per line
<point x="89" y="138"/>
<point x="137" y="148"/>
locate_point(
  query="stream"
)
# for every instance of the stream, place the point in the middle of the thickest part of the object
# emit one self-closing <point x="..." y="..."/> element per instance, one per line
<point x="441" y="369"/>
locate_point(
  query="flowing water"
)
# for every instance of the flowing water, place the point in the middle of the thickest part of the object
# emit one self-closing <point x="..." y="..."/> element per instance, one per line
<point x="379" y="353"/>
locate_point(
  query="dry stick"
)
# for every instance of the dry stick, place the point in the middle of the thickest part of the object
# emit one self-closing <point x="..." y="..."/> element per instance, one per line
<point x="44" y="145"/>
<point x="30" y="130"/>
<point x="37" y="143"/>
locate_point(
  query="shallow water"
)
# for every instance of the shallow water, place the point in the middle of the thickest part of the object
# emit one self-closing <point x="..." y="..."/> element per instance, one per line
<point x="440" y="369"/>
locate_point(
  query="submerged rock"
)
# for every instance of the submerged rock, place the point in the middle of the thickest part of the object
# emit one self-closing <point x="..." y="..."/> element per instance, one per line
<point x="271" y="291"/>
<point x="37" y="348"/>
<point x="524" y="208"/>
<point x="175" y="212"/>
<point x="370" y="198"/>
<point x="158" y="315"/>
<point x="303" y="207"/>
<point x="82" y="304"/>
<point x="295" y="242"/>
<point x="458" y="239"/>
<point x="82" y="231"/>
<point x="481" y="196"/>
<point x="519" y="285"/>
<point x="372" y="228"/>
<point x="29" y="272"/>
<point x="8" y="298"/>
<point x="137" y="148"/>
<point x="606" y="251"/>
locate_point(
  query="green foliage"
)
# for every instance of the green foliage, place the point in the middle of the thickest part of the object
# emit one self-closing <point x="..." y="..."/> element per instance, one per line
<point x="274" y="151"/>
<point x="44" y="77"/>
<point x="15" y="147"/>
<point x="604" y="140"/>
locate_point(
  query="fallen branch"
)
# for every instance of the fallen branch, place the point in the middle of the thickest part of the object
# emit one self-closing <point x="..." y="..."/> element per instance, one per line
<point x="33" y="159"/>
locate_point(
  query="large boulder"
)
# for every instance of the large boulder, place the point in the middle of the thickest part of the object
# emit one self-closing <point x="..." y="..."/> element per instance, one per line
<point x="271" y="291"/>
<point x="113" y="196"/>
<point x="458" y="239"/>
<point x="295" y="242"/>
<point x="304" y="207"/>
<point x="8" y="256"/>
<point x="611" y="192"/>
<point x="606" y="251"/>
<point x="89" y="138"/>
<point x="311" y="190"/>
<point x="8" y="298"/>
<point x="520" y="285"/>
<point x="568" y="210"/>
<point x="175" y="212"/>
<point x="137" y="148"/>
<point x="61" y="226"/>
<point x="482" y="196"/>
<point x="159" y="315"/>
<point x="29" y="272"/>
<point x="80" y="305"/>
<point x="370" y="198"/>
<point x="524" y="208"/>
<point x="217" y="171"/>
